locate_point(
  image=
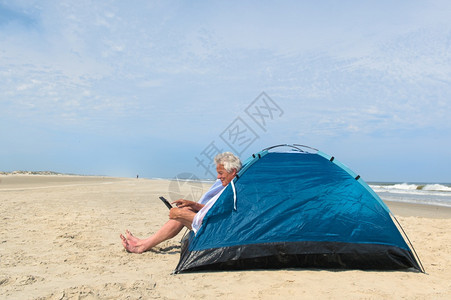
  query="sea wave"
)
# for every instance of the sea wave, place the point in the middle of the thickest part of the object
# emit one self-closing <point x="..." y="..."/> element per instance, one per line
<point x="405" y="187"/>
<point x="436" y="187"/>
<point x="425" y="193"/>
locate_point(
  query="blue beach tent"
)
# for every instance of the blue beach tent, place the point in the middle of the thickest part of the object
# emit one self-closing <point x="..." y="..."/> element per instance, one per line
<point x="297" y="208"/>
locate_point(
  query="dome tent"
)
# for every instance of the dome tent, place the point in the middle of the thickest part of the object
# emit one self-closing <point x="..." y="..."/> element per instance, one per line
<point x="296" y="208"/>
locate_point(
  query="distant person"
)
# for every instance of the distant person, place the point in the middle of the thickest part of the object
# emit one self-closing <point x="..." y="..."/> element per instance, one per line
<point x="188" y="213"/>
<point x="137" y="176"/>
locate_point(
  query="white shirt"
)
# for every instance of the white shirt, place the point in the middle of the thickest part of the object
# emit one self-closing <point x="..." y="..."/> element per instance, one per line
<point x="208" y="199"/>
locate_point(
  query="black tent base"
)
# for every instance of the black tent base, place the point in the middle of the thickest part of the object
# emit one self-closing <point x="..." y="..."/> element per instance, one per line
<point x="327" y="255"/>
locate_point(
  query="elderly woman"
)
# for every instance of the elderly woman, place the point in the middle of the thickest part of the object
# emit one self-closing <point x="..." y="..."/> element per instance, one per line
<point x="188" y="213"/>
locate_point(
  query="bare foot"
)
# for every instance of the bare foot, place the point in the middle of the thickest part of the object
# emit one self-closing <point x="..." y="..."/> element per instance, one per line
<point x="131" y="238"/>
<point x="133" y="245"/>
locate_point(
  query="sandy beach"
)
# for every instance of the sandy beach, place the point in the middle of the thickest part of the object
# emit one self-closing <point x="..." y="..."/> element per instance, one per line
<point x="59" y="239"/>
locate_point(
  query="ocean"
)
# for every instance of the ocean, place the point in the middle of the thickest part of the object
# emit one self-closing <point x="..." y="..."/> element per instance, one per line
<point x="419" y="193"/>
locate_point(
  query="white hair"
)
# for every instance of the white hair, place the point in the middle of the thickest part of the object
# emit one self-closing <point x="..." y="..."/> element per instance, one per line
<point x="229" y="161"/>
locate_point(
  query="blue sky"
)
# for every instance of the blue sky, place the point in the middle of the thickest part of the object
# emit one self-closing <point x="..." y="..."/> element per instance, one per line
<point x="152" y="87"/>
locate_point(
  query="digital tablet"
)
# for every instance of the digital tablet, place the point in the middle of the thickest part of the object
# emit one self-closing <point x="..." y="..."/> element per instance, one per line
<point x="166" y="202"/>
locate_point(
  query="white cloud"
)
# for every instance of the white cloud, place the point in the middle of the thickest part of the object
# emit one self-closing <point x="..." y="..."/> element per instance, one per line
<point x="344" y="69"/>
